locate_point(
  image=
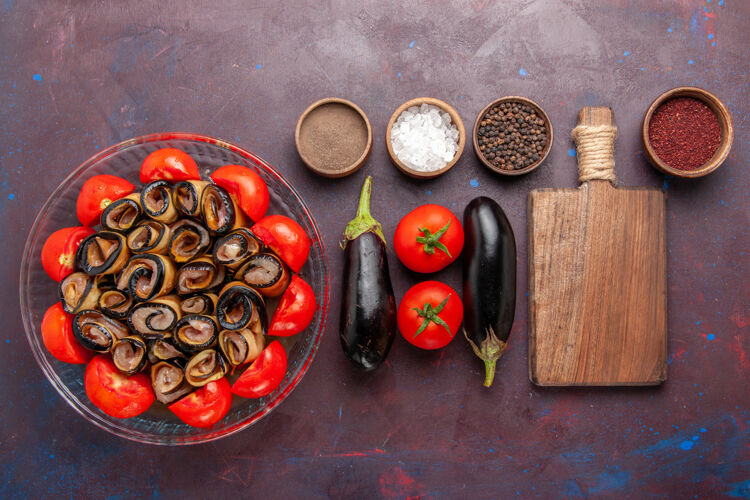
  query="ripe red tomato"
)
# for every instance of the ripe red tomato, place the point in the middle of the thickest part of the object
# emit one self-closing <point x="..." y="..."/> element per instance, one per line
<point x="97" y="193"/>
<point x="264" y="374"/>
<point x="248" y="188"/>
<point x="169" y="164"/>
<point x="57" y="335"/>
<point x="206" y="405"/>
<point x="295" y="311"/>
<point x="285" y="237"/>
<point x="428" y="238"/>
<point x="115" y="394"/>
<point x="429" y="315"/>
<point x="59" y="251"/>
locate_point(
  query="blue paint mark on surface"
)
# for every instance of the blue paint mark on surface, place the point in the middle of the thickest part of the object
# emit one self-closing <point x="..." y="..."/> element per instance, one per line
<point x="492" y="450"/>
<point x="691" y="61"/>
<point x="626" y="53"/>
<point x="522" y="72"/>
<point x="37" y="77"/>
<point x="474" y="183"/>
<point x="710" y="36"/>
<point x="411" y="44"/>
<point x="619" y="60"/>
<point x="610" y="481"/>
<point x="703" y="429"/>
<point x="258" y="66"/>
<point x="686" y="445"/>
<point x="713" y="44"/>
<point x="429" y="192"/>
<point x="721" y="2"/>
<point x="572" y="152"/>
<point x="7" y="341"/>
<point x="643" y="69"/>
<point x="11" y="196"/>
<point x="741" y="489"/>
<point x="399" y="74"/>
<point x="669" y="30"/>
<point x="7" y="4"/>
<point x="710" y="336"/>
<point x="694" y="23"/>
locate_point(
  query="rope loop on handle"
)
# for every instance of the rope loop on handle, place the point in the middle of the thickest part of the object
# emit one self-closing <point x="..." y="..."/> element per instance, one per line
<point x="595" y="146"/>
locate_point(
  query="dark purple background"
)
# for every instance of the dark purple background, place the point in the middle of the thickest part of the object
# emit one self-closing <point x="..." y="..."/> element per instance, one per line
<point x="77" y="77"/>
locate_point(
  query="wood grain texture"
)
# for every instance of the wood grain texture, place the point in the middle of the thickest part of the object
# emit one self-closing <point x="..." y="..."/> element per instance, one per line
<point x="597" y="283"/>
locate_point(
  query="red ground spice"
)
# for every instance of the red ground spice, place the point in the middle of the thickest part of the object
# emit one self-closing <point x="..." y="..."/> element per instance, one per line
<point x="684" y="133"/>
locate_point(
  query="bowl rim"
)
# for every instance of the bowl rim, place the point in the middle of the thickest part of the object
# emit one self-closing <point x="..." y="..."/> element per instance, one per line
<point x="35" y="342"/>
<point x="455" y="118"/>
<point x="722" y="114"/>
<point x="547" y="126"/>
<point x="357" y="163"/>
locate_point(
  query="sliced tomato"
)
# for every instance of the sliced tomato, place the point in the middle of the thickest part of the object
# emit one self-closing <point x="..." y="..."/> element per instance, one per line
<point x="57" y="335"/>
<point x="265" y="374"/>
<point x="169" y="164"/>
<point x="115" y="394"/>
<point x="59" y="251"/>
<point x="206" y="405"/>
<point x="246" y="186"/>
<point x="96" y="195"/>
<point x="295" y="311"/>
<point x="285" y="237"/>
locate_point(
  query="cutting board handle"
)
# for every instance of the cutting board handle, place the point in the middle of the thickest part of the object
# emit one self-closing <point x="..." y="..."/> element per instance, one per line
<point x="595" y="144"/>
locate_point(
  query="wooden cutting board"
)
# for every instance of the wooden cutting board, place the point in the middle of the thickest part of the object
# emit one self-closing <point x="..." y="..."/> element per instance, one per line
<point x="597" y="274"/>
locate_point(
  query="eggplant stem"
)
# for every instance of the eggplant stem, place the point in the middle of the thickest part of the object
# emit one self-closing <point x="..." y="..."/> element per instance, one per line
<point x="364" y="221"/>
<point x="491" y="350"/>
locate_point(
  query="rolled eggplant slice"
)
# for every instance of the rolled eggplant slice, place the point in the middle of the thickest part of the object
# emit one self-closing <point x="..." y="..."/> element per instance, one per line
<point x="105" y="252"/>
<point x="241" y="346"/>
<point x="97" y="332"/>
<point x="199" y="275"/>
<point x="206" y="366"/>
<point x="239" y="307"/>
<point x="266" y="273"/>
<point x="156" y="202"/>
<point x="199" y="303"/>
<point x="195" y="333"/>
<point x="219" y="211"/>
<point x="129" y="354"/>
<point x="115" y="303"/>
<point x="155" y="319"/>
<point x="168" y="382"/>
<point x="121" y="215"/>
<point x="188" y="241"/>
<point x="147" y="276"/>
<point x="234" y="248"/>
<point x="162" y="350"/>
<point x="186" y="197"/>
<point x="149" y="236"/>
<point x="79" y="291"/>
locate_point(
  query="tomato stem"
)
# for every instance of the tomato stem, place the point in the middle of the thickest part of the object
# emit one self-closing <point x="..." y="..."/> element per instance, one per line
<point x="430" y="314"/>
<point x="432" y="241"/>
<point x="364" y="221"/>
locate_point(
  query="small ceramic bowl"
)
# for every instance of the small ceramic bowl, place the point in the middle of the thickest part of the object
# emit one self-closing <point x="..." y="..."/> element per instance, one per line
<point x="341" y="123"/>
<point x="725" y="122"/>
<point x="455" y="119"/>
<point x="547" y="127"/>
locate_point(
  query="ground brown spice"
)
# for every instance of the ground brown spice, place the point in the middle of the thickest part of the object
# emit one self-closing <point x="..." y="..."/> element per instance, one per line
<point x="333" y="137"/>
<point x="684" y="133"/>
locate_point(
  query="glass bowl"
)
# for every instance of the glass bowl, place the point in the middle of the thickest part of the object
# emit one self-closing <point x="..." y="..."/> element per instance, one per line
<point x="38" y="292"/>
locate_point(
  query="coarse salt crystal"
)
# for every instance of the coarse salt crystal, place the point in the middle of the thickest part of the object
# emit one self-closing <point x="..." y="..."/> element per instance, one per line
<point x="424" y="139"/>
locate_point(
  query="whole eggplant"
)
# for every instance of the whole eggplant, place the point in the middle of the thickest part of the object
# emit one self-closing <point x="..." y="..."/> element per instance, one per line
<point x="368" y="312"/>
<point x="489" y="288"/>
